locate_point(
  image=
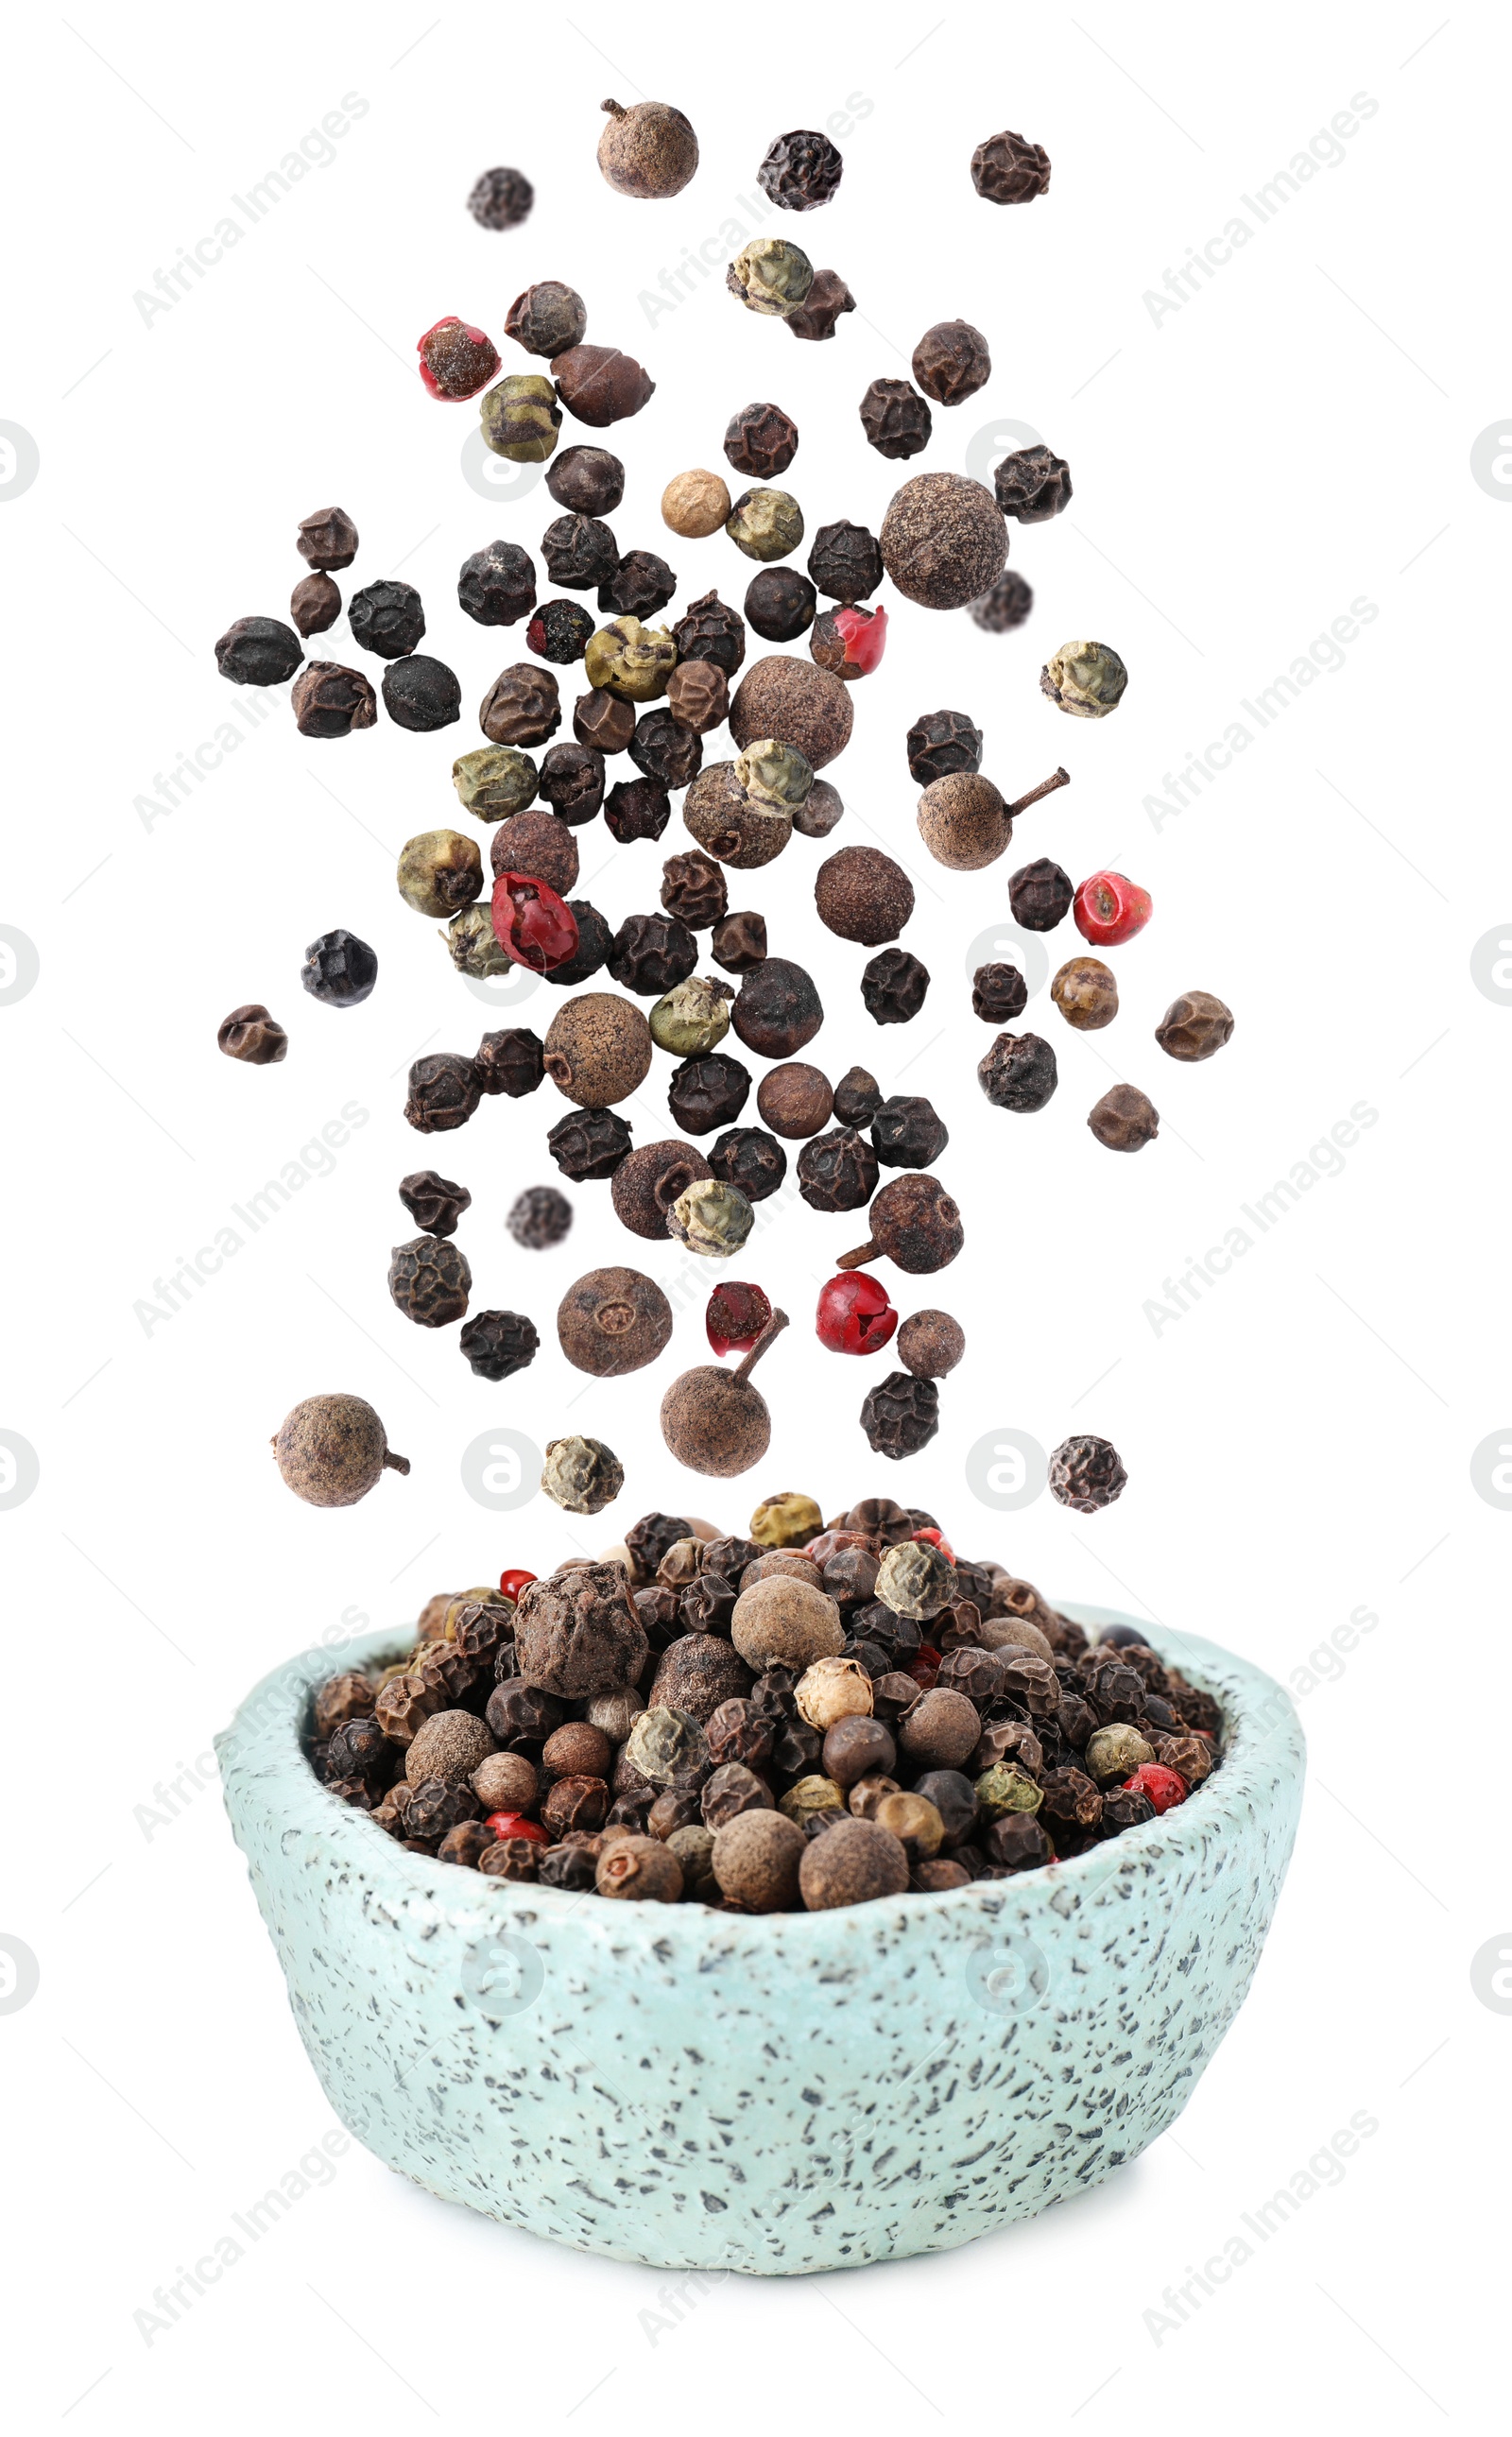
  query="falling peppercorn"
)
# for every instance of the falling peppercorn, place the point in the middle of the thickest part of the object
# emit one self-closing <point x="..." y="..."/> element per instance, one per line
<point x="1086" y="993"/>
<point x="907" y="1133"/>
<point x="430" y="1281"/>
<point x="559" y="632"/>
<point x="588" y="1144"/>
<point x="1040" y="895"/>
<point x="1004" y="605"/>
<point x="1194" y="1027"/>
<point x="258" y="651"/>
<point x="695" y="504"/>
<point x="789" y="698"/>
<point x="250" y="1034"/>
<point x="612" y="1322"/>
<point x="444" y="1091"/>
<point x="1085" y="680"/>
<point x="601" y="385"/>
<point x="780" y="603"/>
<point x="895" y="420"/>
<point x="749" y="1158"/>
<point x="433" y="1201"/>
<point x="1007" y="169"/>
<point x="502" y="199"/>
<point x="1124" y="1118"/>
<point x="837" y="1171"/>
<point x="1086" y="1474"/>
<point x="930" y="1344"/>
<point x="942" y="540"/>
<point x="914" y="1222"/>
<point x="510" y="1063"/>
<point x="315" y="603"/>
<point x="636" y="809"/>
<point x="598" y="1049"/>
<point x="713" y="1219"/>
<point x="582" y="1474"/>
<point x="648" y="152"/>
<point x="647" y="1183"/>
<point x="716" y="1421"/>
<point x="539" y="1217"/>
<point x="893" y="987"/>
<point x="1033" y="484"/>
<point x="941" y="742"/>
<point x="901" y="1415"/>
<point x="328" y="539"/>
<point x="331" y="1450"/>
<point x="711" y="630"/>
<point x="800" y="171"/>
<point x="952" y="362"/>
<point x="521" y="707"/>
<point x="329" y="700"/>
<point x="499" y="1344"/>
<point x="421" y="695"/>
<point x="998" y="994"/>
<point x="547" y="319"/>
<point x="340" y="968"/>
<point x="520" y="418"/>
<point x="1019" y="1072"/>
<point x="640" y="583"/>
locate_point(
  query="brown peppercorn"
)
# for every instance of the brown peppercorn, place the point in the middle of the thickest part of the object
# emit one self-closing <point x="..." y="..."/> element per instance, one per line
<point x="858" y="1746"/>
<point x="697" y="696"/>
<point x="914" y="1222"/>
<point x="1124" y="1118"/>
<point x="523" y="705"/>
<point x="749" y="1158"/>
<point x="540" y="845"/>
<point x="585" y="481"/>
<point x="648" y="152"/>
<point x="952" y="362"/>
<point x="1086" y="1474"/>
<point x="738" y="1730"/>
<point x="791" y="699"/>
<point x="943" y="540"/>
<point x="820" y="811"/>
<point x="893" y="986"/>
<point x="329" y="700"/>
<point x="602" y="721"/>
<point x="403" y="1705"/>
<point x="575" y="1803"/>
<point x="430" y="1281"/>
<point x="252" y="1035"/>
<point x="577" y="1749"/>
<point x="837" y="1171"/>
<point x="576" y="1633"/>
<point x="942" y="1730"/>
<point x="1017" y="1842"/>
<point x="1040" y="894"/>
<point x="941" y="742"/>
<point x="915" y="1822"/>
<point x="1194" y="1027"/>
<point x="858" y="1861"/>
<point x="611" y="1321"/>
<point x="1188" y="1755"/>
<point x="466" y="1844"/>
<point x="784" y="1621"/>
<point x="667" y="753"/>
<point x="930" y="1344"/>
<point x="795" y="1100"/>
<point x="638" y="1869"/>
<point x="505" y="1781"/>
<point x="326" y="539"/>
<point x="964" y="821"/>
<point x="519" y="1714"/>
<point x="695" y="504"/>
<point x="315" y="603"/>
<point x="776" y="1009"/>
<point x="863" y="895"/>
<point x="598" y="1049"/>
<point x="547" y="318"/>
<point x="761" y="441"/>
<point x="739" y="942"/>
<point x="694" y="890"/>
<point x="858" y="1096"/>
<point x="827" y="299"/>
<point x="350" y="1694"/>
<point x="730" y="1791"/>
<point x="600" y="385"/>
<point x="895" y="420"/>
<point x="1070" y="1800"/>
<point x="1086" y="993"/>
<point x="678" y="1807"/>
<point x="707" y="1091"/>
<point x="756" y="1859"/>
<point x="571" y="781"/>
<point x="1007" y="169"/>
<point x="646" y="1183"/>
<point x="510" y="1063"/>
<point x="716" y="1421"/>
<point x="435" y="1806"/>
<point x="517" y="1858"/>
<point x="450" y="1745"/>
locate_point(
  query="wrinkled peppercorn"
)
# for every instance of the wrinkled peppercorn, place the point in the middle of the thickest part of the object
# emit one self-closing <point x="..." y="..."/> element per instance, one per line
<point x="580" y="553"/>
<point x="444" y="1091"/>
<point x="708" y="1092"/>
<point x="1124" y="1118"/>
<point x="941" y="742"/>
<point x="1005" y="606"/>
<point x="521" y="707"/>
<point x="693" y="889"/>
<point x="761" y="441"/>
<point x="652" y="953"/>
<point x="801" y="170"/>
<point x="893" y="987"/>
<point x="430" y="1281"/>
<point x="559" y="632"/>
<point x="998" y="994"/>
<point x="539" y="1217"/>
<point x="547" y="319"/>
<point x="588" y="1144"/>
<point x="585" y="481"/>
<point x="326" y="539"/>
<point x="837" y="1171"/>
<point x="340" y="968"/>
<point x="709" y="629"/>
<point x="906" y="1132"/>
<point x="601" y="721"/>
<point x="668" y="753"/>
<point x="1008" y="169"/>
<point x="499" y="1344"/>
<point x="780" y="603"/>
<point x="386" y="618"/>
<point x="252" y="1035"/>
<point x="640" y="583"/>
<point x="1194" y="1027"/>
<point x="595" y="940"/>
<point x="1033" y="484"/>
<point x="510" y="1063"/>
<point x="1086" y="1474"/>
<point x="329" y="700"/>
<point x="258" y="651"/>
<point x="952" y="362"/>
<point x="1040" y="895"/>
<point x="315" y="603"/>
<point x="433" y="1202"/>
<point x="844" y="562"/>
<point x="895" y="418"/>
<point x="749" y="1158"/>
<point x="739" y="941"/>
<point x="1086" y="993"/>
<point x="827" y="299"/>
<point x="697" y="696"/>
<point x="636" y="809"/>
<point x="571" y="781"/>
<point x="1019" y="1072"/>
<point x="502" y="199"/>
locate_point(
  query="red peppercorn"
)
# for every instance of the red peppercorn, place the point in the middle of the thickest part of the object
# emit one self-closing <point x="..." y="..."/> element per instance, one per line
<point x="530" y="922"/>
<point x="735" y="1316"/>
<point x="923" y="1667"/>
<point x="854" y="1315"/>
<point x="937" y="1540"/>
<point x="514" y="1823"/>
<point x="849" y="643"/>
<point x="456" y="360"/>
<point x="1110" y="909"/>
<point x="1160" y="1786"/>
<point x="513" y="1580"/>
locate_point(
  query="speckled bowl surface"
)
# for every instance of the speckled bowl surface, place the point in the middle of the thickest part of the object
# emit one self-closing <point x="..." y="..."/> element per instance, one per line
<point x="692" y="2089"/>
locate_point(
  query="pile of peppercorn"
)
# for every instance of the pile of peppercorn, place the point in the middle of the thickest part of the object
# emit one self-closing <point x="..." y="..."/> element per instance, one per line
<point x="813" y="1715"/>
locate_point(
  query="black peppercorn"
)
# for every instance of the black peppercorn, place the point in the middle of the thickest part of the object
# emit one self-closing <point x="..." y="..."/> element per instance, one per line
<point x="340" y="968"/>
<point x="952" y="362"/>
<point x="585" y="481"/>
<point x="580" y="553"/>
<point x="571" y="781"/>
<point x="509" y="1062"/>
<point x="693" y="889"/>
<point x="250" y="1034"/>
<point x="499" y="1344"/>
<point x="559" y="632"/>
<point x="315" y="603"/>
<point x="601" y="385"/>
<point x="502" y="199"/>
<point x="837" y="1171"/>
<point x="547" y="319"/>
<point x="539" y="1217"/>
<point x="1019" y="1072"/>
<point x="1124" y="1119"/>
<point x="1032" y="485"/>
<point x="595" y="940"/>
<point x="750" y="1158"/>
<point x="1086" y="1474"/>
<point x="588" y="1144"/>
<point x="1005" y="606"/>
<point x="893" y="987"/>
<point x="1040" y="895"/>
<point x="780" y="603"/>
<point x="998" y="994"/>
<point x="258" y="651"/>
<point x="844" y="562"/>
<point x="639" y="584"/>
<point x="761" y="441"/>
<point x="941" y="742"/>
<point x="421" y="695"/>
<point x="329" y="700"/>
<point x="652" y="953"/>
<point x="1007" y="169"/>
<point x="328" y="539"/>
<point x="739" y="941"/>
<point x="906" y="1132"/>
<point x="776" y="1009"/>
<point x="429" y="1280"/>
<point x="1194" y="1027"/>
<point x="857" y="1098"/>
<point x="357" y="1748"/>
<point x="827" y="299"/>
<point x="669" y="754"/>
<point x="895" y="418"/>
<point x="637" y="808"/>
<point x="708" y="1092"/>
<point x="444" y="1092"/>
<point x="901" y="1415"/>
<point x="800" y="171"/>
<point x="386" y="618"/>
<point x="433" y="1201"/>
<point x="709" y="630"/>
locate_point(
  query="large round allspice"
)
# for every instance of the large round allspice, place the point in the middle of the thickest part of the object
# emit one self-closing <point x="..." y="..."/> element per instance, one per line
<point x="598" y="1049"/>
<point x="331" y="1450"/>
<point x="716" y="1421"/>
<point x="613" y="1321"/>
<point x="648" y="152"/>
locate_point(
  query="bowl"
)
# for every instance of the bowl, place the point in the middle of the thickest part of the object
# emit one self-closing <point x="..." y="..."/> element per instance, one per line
<point x="776" y="2095"/>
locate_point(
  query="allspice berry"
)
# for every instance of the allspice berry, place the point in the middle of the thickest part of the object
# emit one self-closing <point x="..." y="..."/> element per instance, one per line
<point x="332" y="1450"/>
<point x="964" y="821"/>
<point x="1124" y="1118"/>
<point x="797" y="702"/>
<point x="715" y="1421"/>
<point x="649" y="1181"/>
<point x="648" y="152"/>
<point x="756" y="1859"/>
<point x="1086" y="993"/>
<point x="930" y="1344"/>
<point x="505" y="1781"/>
<point x="613" y="1321"/>
<point x="795" y="1101"/>
<point x="854" y="1862"/>
<point x="695" y="504"/>
<point x="943" y="540"/>
<point x="448" y="1745"/>
<point x="598" y="1049"/>
<point x="638" y="1869"/>
<point x="940" y="1731"/>
<point x="784" y="1621"/>
<point x="914" y="1222"/>
<point x="863" y="895"/>
<point x="539" y="844"/>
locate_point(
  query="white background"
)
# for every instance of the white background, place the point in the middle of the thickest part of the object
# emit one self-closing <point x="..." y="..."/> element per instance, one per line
<point x="1299" y="435"/>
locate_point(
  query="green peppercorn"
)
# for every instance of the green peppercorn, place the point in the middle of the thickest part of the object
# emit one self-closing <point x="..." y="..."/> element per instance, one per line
<point x="775" y="775"/>
<point x="712" y="1219"/>
<point x="666" y="1744"/>
<point x="1087" y="679"/>
<point x="473" y="944"/>
<point x="629" y="661"/>
<point x="765" y="524"/>
<point x="809" y="1795"/>
<point x="1004" y="1789"/>
<point x="440" y="871"/>
<point x="521" y="418"/>
<point x="694" y="1848"/>
<point x="771" y="275"/>
<point x="786" y="1520"/>
<point x="692" y="1019"/>
<point x="582" y="1474"/>
<point x="496" y="782"/>
<point x="916" y="1579"/>
<point x="1114" y="1752"/>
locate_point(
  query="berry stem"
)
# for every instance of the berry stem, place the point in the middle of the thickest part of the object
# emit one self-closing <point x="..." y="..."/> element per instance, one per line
<point x="1046" y="787"/>
<point x="772" y="1331"/>
<point x="615" y="108"/>
<point x="869" y="1250"/>
<point x="393" y="1463"/>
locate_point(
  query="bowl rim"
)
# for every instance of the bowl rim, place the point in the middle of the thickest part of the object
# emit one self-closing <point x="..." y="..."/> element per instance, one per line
<point x="1264" y="1749"/>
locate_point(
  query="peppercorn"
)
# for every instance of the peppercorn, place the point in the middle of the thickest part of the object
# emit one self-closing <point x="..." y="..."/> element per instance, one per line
<point x="1019" y="1072"/>
<point x="790" y="698"/>
<point x="942" y="540"/>
<point x="1124" y="1118"/>
<point x="329" y="700"/>
<point x="739" y="1731"/>
<point x="739" y="941"/>
<point x="801" y="170"/>
<point x="640" y="583"/>
<point x="509" y="1062"/>
<point x="331" y="1450"/>
<point x="692" y="890"/>
<point x="695" y="504"/>
<point x="914" y="1222"/>
<point x="765" y="524"/>
<point x="795" y="1100"/>
<point x="810" y="1794"/>
<point x="439" y="872"/>
<point x="430" y="1281"/>
<point x="670" y="755"/>
<point x="326" y="539"/>
<point x="559" y="631"/>
<point x="776" y="1009"/>
<point x="698" y="1672"/>
<point x="1008" y="169"/>
<point x="749" y="1158"/>
<point x="774" y="775"/>
<point x="611" y="1321"/>
<point x="520" y="418"/>
<point x="827" y="299"/>
<point x="651" y="953"/>
<point x="598" y="1049"/>
<point x="1004" y="605"/>
<point x="709" y="630"/>
<point x="780" y="603"/>
<point x="432" y="1201"/>
<point x="1194" y="1027"/>
<point x="252" y="1035"/>
<point x="848" y="642"/>
<point x="916" y="1579"/>
<point x="895" y="420"/>
<point x="697" y="698"/>
<point x="421" y="695"/>
<point x="648" y="1541"/>
<point x="1086" y="1474"/>
<point x="386" y="618"/>
<point x="900" y="1415"/>
<point x="770" y="275"/>
<point x="340" y="968"/>
<point x="1115" y="1752"/>
<point x="692" y="1019"/>
<point x="590" y="1145"/>
<point x="444" y="1091"/>
<point x="600" y="385"/>
<point x="499" y="1344"/>
<point x="582" y="1474"/>
<point x="716" y="1421"/>
<point x="930" y="1344"/>
<point x="502" y="199"/>
<point x="638" y="1869"/>
<point x="258" y="651"/>
<point x="667" y="1746"/>
<point x="952" y="362"/>
<point x="1033" y="484"/>
<point x="1087" y="679"/>
<point x="631" y="661"/>
<point x="648" y="152"/>
<point x="712" y="1219"/>
<point x="1040" y="894"/>
<point x="520" y="1713"/>
<point x="742" y="829"/>
<point x="837" y="1171"/>
<point x="943" y="743"/>
<point x="595" y="940"/>
<point x="521" y="707"/>
<point x="585" y="481"/>
<point x="893" y="987"/>
<point x="315" y="603"/>
<point x="494" y="781"/>
<point x="833" y="1689"/>
<point x="571" y="781"/>
<point x="1085" y="992"/>
<point x="861" y="894"/>
<point x="448" y="1746"/>
<point x="580" y="553"/>
<point x="733" y="1792"/>
<point x="539" y="1217"/>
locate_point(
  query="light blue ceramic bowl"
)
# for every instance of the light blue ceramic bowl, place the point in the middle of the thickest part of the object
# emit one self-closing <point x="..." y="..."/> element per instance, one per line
<point x="692" y="2089"/>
